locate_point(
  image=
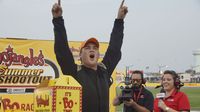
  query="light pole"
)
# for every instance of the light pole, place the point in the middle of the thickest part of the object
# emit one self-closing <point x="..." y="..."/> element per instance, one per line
<point x="147" y="69"/>
<point x="127" y="69"/>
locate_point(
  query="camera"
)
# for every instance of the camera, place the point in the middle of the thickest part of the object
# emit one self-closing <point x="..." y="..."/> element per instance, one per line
<point x="127" y="91"/>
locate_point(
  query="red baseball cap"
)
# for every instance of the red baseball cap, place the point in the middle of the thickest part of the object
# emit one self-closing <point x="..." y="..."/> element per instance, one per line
<point x="90" y="40"/>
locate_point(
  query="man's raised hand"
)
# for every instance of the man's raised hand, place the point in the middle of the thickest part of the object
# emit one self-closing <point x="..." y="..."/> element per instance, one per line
<point x="123" y="10"/>
<point x="57" y="10"/>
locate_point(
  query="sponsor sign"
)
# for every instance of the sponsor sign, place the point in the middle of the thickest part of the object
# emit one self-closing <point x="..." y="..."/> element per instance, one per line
<point x="16" y="103"/>
<point x="27" y="70"/>
<point x="62" y="96"/>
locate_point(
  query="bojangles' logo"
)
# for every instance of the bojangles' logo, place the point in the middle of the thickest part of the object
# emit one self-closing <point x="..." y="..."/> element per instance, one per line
<point x="8" y="57"/>
<point x="19" y="69"/>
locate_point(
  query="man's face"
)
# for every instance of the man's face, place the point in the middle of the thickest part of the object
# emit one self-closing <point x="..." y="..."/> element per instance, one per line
<point x="168" y="82"/>
<point x="136" y="79"/>
<point x="89" y="55"/>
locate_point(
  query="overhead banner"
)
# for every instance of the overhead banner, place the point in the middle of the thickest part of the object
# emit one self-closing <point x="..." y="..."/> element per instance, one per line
<point x="27" y="62"/>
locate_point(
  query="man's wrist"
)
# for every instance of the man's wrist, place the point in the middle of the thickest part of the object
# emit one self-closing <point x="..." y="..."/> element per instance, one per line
<point x="134" y="104"/>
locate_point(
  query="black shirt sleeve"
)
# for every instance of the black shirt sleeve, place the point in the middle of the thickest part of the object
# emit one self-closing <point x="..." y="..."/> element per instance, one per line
<point x="113" y="53"/>
<point x="61" y="48"/>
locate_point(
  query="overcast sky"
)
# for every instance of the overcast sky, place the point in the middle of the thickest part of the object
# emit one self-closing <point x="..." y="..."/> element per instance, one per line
<point x="157" y="32"/>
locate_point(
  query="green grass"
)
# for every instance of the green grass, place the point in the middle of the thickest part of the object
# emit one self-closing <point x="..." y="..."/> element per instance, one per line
<point x="193" y="94"/>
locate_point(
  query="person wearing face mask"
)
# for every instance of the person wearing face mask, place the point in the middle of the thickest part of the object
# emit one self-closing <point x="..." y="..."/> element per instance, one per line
<point x="142" y="99"/>
<point x="93" y="76"/>
<point x="174" y="100"/>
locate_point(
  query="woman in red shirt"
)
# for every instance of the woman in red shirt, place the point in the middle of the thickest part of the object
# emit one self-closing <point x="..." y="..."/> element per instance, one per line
<point x="174" y="99"/>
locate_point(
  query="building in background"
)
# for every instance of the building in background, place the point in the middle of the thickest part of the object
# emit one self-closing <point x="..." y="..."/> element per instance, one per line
<point x="196" y="66"/>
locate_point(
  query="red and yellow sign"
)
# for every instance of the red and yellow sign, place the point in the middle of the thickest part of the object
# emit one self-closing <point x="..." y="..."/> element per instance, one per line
<point x="16" y="103"/>
<point x="63" y="95"/>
